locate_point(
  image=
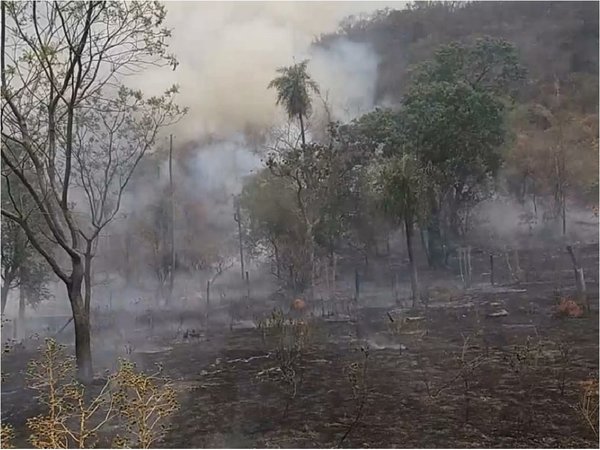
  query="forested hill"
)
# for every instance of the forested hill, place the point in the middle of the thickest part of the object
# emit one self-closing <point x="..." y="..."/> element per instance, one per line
<point x="555" y="39"/>
<point x="557" y="43"/>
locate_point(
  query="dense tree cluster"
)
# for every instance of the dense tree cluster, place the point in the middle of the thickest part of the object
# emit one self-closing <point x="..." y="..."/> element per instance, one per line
<point x="477" y="111"/>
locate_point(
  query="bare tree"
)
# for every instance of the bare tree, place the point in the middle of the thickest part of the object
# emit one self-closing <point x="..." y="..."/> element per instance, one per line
<point x="72" y="132"/>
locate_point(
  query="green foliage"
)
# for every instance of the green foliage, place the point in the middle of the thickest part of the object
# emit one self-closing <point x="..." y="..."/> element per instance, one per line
<point x="22" y="266"/>
<point x="301" y="204"/>
<point x="374" y="133"/>
<point x="457" y="129"/>
<point x="453" y="119"/>
<point x="293" y="88"/>
<point x="495" y="45"/>
<point x="273" y="222"/>
<point x="403" y="188"/>
<point x="489" y="65"/>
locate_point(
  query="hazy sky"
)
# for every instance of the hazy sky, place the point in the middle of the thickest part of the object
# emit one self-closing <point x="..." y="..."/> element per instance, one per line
<point x="228" y="53"/>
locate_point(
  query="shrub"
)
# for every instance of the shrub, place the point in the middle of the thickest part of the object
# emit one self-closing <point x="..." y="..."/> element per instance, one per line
<point x="7" y="435"/>
<point x="356" y="373"/>
<point x="588" y="404"/>
<point x="144" y="402"/>
<point x="290" y="339"/>
<point x="68" y="421"/>
<point x="73" y="417"/>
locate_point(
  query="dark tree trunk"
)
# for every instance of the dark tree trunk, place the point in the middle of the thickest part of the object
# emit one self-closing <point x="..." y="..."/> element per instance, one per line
<point x="87" y="277"/>
<point x="312" y="263"/>
<point x="302" y="129"/>
<point x="238" y="218"/>
<point x="21" y="319"/>
<point x="564" y="214"/>
<point x="425" y="246"/>
<point x="277" y="262"/>
<point x="434" y="240"/>
<point x="171" y="221"/>
<point x="81" y="320"/>
<point x="414" y="280"/>
<point x="5" y="292"/>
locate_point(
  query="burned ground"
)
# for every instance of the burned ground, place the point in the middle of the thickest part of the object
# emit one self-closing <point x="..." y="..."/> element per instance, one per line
<point x="522" y="391"/>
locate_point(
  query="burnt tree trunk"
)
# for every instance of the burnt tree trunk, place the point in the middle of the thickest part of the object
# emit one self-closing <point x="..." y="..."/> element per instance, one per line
<point x="207" y="304"/>
<point x="425" y="246"/>
<point x="87" y="276"/>
<point x="414" y="280"/>
<point x="171" y="222"/>
<point x="238" y="219"/>
<point x="302" y="129"/>
<point x="579" y="279"/>
<point x="5" y="292"/>
<point x="81" y="320"/>
<point x="311" y="243"/>
<point x="21" y="318"/>
<point x="277" y="261"/>
<point x="9" y="276"/>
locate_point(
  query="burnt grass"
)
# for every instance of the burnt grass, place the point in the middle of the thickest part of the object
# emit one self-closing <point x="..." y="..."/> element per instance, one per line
<point x="415" y="396"/>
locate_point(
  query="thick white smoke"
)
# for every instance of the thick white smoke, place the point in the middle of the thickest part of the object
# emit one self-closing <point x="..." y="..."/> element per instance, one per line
<point x="229" y="51"/>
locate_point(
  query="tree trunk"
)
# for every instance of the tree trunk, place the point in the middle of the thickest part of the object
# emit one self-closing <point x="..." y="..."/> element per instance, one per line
<point x="277" y="262"/>
<point x="81" y="320"/>
<point x="414" y="280"/>
<point x="21" y="320"/>
<point x="579" y="280"/>
<point x="311" y="250"/>
<point x="333" y="276"/>
<point x="207" y="303"/>
<point x="312" y="270"/>
<point x="434" y="239"/>
<point x="302" y="129"/>
<point x="172" y="221"/>
<point x="5" y="292"/>
<point x="425" y="246"/>
<point x="87" y="277"/>
<point x="564" y="214"/>
<point x="238" y="219"/>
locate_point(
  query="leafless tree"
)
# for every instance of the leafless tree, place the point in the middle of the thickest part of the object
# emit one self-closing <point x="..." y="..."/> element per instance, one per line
<point x="72" y="133"/>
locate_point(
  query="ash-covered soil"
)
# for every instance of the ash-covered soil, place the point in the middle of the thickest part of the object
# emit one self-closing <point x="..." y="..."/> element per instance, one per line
<point x="521" y="392"/>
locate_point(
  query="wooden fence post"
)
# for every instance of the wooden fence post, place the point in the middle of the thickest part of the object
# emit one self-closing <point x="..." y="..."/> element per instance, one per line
<point x="207" y="302"/>
<point x="248" y="286"/>
<point x="579" y="279"/>
<point x="356" y="285"/>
